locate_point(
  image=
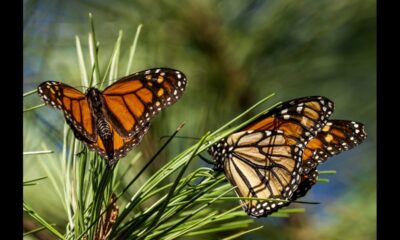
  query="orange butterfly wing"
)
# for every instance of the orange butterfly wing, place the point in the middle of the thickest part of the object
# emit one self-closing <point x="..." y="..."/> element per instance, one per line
<point x="335" y="137"/>
<point x="301" y="118"/>
<point x="134" y="100"/>
<point x="74" y="105"/>
<point x="121" y="146"/>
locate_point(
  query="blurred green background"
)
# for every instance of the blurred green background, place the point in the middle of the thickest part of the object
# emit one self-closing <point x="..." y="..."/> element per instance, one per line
<point x="233" y="53"/>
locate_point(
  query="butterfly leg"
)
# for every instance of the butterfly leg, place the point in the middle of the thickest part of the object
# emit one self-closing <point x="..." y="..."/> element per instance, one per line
<point x="82" y="152"/>
<point x="206" y="160"/>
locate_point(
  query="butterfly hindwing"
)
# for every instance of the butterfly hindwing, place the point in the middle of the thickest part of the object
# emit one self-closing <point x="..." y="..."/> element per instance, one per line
<point x="262" y="165"/>
<point x="134" y="100"/>
<point x="121" y="146"/>
<point x="74" y="105"/>
<point x="307" y="181"/>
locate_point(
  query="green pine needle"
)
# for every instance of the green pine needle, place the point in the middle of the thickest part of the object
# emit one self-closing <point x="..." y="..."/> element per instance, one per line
<point x="43" y="222"/>
<point x="235" y="236"/>
<point x="323" y="180"/>
<point x="37" y="152"/>
<point x="29" y="93"/>
<point x="34" y="107"/>
<point x="327" y="172"/>
<point x="133" y="50"/>
<point x="36" y="230"/>
<point x="33" y="181"/>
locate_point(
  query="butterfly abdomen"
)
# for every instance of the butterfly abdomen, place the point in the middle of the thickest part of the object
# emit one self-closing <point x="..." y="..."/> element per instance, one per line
<point x="103" y="128"/>
<point x="96" y="103"/>
<point x="102" y="125"/>
<point x="105" y="132"/>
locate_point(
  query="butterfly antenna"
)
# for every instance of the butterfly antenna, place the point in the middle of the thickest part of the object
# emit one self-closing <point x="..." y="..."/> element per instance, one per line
<point x="205" y="159"/>
<point x="97" y="84"/>
<point x="305" y="202"/>
<point x="83" y="151"/>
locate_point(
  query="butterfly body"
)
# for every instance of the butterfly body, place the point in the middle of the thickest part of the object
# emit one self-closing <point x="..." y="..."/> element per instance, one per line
<point x="101" y="120"/>
<point x="114" y="120"/>
<point x="275" y="156"/>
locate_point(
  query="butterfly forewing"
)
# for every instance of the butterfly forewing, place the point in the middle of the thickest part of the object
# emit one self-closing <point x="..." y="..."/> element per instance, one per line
<point x="335" y="137"/>
<point x="74" y="105"/>
<point x="134" y="100"/>
<point x="302" y="118"/>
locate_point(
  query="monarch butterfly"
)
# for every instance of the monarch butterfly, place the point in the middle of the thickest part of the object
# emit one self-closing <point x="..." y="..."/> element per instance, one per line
<point x="114" y="120"/>
<point x="265" y="159"/>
